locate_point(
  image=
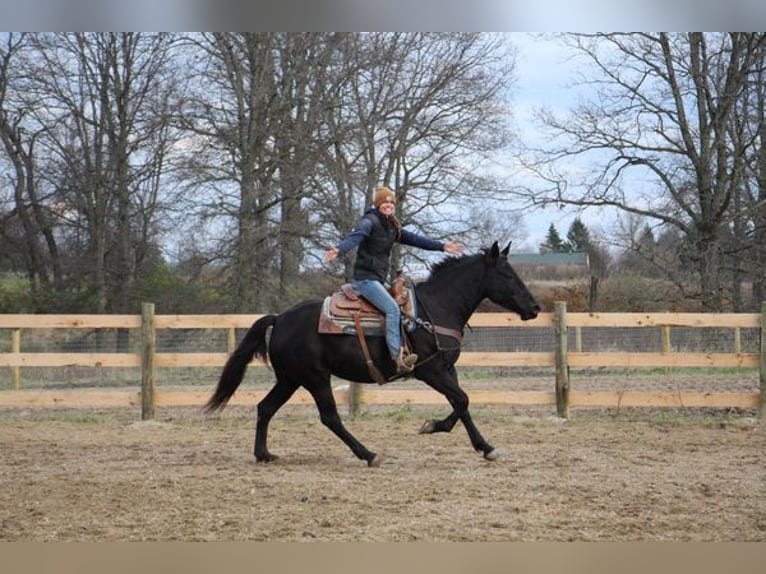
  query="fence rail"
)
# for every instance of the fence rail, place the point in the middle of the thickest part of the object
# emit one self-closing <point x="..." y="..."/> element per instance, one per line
<point x="562" y="357"/>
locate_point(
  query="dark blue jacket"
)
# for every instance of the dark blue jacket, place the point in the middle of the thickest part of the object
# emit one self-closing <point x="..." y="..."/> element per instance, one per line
<point x="374" y="236"/>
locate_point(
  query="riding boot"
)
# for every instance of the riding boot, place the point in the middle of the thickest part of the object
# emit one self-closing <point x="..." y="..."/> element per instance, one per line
<point x="405" y="362"/>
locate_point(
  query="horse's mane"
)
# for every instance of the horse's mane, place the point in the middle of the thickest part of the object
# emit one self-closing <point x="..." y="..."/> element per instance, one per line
<point x="443" y="266"/>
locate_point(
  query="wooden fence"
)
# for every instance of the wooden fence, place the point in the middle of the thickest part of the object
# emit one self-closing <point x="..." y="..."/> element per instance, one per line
<point x="561" y="358"/>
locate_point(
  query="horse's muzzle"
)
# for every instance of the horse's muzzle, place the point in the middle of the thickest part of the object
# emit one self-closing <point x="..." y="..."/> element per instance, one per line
<point x="531" y="313"/>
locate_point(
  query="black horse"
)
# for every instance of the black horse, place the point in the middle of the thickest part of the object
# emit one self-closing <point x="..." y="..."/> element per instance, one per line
<point x="300" y="356"/>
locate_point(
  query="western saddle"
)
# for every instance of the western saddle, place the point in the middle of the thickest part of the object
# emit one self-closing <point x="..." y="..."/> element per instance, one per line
<point x="346" y="312"/>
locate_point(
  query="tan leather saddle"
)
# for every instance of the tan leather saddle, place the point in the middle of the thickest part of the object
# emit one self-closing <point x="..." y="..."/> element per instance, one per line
<point x="341" y="310"/>
<point x="345" y="312"/>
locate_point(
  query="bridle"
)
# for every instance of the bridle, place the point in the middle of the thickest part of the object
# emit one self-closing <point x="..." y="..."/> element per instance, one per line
<point x="436" y="330"/>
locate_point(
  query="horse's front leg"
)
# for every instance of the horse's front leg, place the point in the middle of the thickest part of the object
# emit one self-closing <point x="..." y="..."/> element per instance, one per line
<point x="448" y="385"/>
<point x="478" y="442"/>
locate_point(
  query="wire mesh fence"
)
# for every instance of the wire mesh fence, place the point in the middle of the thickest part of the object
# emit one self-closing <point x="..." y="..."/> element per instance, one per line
<point x="481" y="339"/>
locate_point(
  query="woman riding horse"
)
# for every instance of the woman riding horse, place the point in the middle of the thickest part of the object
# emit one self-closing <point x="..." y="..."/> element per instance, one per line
<point x="301" y="356"/>
<point x="374" y="237"/>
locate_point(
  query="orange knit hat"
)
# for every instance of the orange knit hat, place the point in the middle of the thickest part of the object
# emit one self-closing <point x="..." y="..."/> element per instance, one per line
<point x="383" y="194"/>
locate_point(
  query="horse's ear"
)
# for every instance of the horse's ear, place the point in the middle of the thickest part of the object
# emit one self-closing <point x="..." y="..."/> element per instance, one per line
<point x="505" y="251"/>
<point x="494" y="253"/>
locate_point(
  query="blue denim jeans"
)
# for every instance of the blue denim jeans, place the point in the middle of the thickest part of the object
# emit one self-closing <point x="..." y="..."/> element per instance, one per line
<point x="377" y="294"/>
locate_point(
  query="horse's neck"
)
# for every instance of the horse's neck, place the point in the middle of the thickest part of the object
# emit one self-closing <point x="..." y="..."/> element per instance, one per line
<point x="450" y="303"/>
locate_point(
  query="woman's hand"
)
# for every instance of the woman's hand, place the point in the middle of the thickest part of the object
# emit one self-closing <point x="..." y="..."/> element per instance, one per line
<point x="331" y="254"/>
<point x="453" y="247"/>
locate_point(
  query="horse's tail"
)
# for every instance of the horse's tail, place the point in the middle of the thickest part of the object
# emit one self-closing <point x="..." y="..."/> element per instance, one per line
<point x="252" y="345"/>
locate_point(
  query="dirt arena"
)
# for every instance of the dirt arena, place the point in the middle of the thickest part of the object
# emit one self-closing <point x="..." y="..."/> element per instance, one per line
<point x="68" y="475"/>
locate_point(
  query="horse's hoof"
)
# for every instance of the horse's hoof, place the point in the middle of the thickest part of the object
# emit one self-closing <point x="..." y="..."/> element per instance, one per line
<point x="428" y="427"/>
<point x="266" y="458"/>
<point x="375" y="461"/>
<point x="492" y="455"/>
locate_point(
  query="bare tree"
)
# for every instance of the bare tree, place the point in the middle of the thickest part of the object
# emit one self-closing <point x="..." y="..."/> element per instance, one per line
<point x="26" y="227"/>
<point x="231" y="108"/>
<point x="304" y="86"/>
<point x="750" y="212"/>
<point x="653" y="140"/>
<point x="293" y="132"/>
<point x="417" y="112"/>
<point x="95" y="105"/>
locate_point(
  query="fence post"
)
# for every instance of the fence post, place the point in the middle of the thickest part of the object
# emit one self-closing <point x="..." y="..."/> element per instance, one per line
<point x="762" y="366"/>
<point x="16" y="348"/>
<point x="147" y="361"/>
<point x="562" y="363"/>
<point x="354" y="398"/>
<point x="231" y="339"/>
<point x="578" y="339"/>
<point x="667" y="348"/>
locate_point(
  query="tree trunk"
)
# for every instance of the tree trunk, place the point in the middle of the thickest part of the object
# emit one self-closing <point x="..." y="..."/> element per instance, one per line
<point x="709" y="269"/>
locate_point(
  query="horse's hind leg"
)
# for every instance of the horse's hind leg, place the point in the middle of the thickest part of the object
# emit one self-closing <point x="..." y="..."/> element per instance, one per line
<point x="328" y="414"/>
<point x="266" y="409"/>
<point x="477" y="440"/>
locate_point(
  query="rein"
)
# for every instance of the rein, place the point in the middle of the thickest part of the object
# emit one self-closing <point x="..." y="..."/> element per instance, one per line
<point x="435" y="330"/>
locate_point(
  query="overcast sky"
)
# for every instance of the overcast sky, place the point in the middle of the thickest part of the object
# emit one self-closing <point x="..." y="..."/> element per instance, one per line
<point x="543" y="70"/>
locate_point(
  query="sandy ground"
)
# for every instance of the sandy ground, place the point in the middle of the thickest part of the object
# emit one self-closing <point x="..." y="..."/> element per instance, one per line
<point x="69" y="475"/>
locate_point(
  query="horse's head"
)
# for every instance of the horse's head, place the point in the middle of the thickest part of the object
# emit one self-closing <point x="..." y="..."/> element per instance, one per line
<point x="505" y="287"/>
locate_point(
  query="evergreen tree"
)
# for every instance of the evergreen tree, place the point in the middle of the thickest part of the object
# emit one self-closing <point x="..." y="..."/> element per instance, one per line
<point x="578" y="236"/>
<point x="553" y="242"/>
